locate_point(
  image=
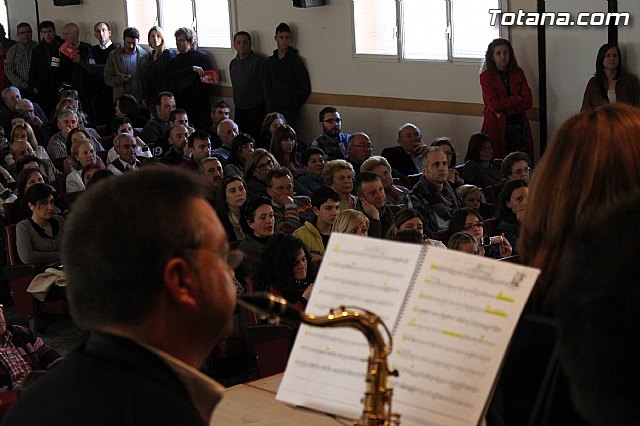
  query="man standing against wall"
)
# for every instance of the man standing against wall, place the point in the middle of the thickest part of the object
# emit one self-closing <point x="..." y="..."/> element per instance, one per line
<point x="185" y="71"/>
<point x="289" y="84"/>
<point x="102" y="94"/>
<point x="124" y="67"/>
<point x="249" y="79"/>
<point x="45" y="72"/>
<point x="18" y="59"/>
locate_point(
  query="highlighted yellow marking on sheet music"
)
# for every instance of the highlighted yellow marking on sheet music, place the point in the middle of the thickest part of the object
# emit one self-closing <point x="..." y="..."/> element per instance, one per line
<point x="434" y="266"/>
<point x="412" y="321"/>
<point x="497" y="312"/>
<point x="386" y="283"/>
<point x="451" y="334"/>
<point x="422" y="295"/>
<point x="337" y="247"/>
<point x="505" y="298"/>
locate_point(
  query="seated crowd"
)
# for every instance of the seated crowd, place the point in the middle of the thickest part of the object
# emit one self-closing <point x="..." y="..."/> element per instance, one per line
<point x="278" y="197"/>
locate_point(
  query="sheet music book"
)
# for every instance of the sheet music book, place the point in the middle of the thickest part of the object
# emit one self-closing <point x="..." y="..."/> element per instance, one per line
<point x="68" y="49"/>
<point x="451" y="316"/>
<point x="210" y="77"/>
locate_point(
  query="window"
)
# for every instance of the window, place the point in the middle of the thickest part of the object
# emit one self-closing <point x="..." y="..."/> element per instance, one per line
<point x="4" y="20"/>
<point x="210" y="19"/>
<point x="424" y="29"/>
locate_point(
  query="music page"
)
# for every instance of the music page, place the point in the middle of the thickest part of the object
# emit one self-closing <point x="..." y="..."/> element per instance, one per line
<point x="327" y="367"/>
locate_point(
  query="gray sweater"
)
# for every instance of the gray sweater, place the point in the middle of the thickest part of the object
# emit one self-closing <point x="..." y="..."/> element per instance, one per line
<point x="36" y="248"/>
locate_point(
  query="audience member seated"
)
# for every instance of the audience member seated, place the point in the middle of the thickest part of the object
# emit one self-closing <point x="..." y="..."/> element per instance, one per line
<point x="433" y="196"/>
<point x="516" y="166"/>
<point x="38" y="238"/>
<point x="123" y="125"/>
<point x="22" y="352"/>
<point x="471" y="197"/>
<point x="178" y="137"/>
<point x="511" y="210"/>
<point x="396" y="194"/>
<point x="83" y="155"/>
<point x="339" y="175"/>
<point x="97" y="176"/>
<point x="229" y="202"/>
<point x="283" y="148"/>
<point x="128" y="106"/>
<point x="408" y="236"/>
<point x="257" y="167"/>
<point x="315" y="233"/>
<point x="125" y="146"/>
<point x="67" y="119"/>
<point x="211" y="169"/>
<point x="447" y="147"/>
<point x="411" y="220"/>
<point x="73" y="136"/>
<point x="89" y="171"/>
<point x="21" y="150"/>
<point x="290" y="211"/>
<point x="332" y="142"/>
<point x="241" y="148"/>
<point x="285" y="270"/>
<point x="360" y="147"/>
<point x="406" y="159"/>
<point x="258" y="223"/>
<point x="219" y="111"/>
<point x="597" y="301"/>
<point x="372" y="201"/>
<point x="464" y="242"/>
<point x="469" y="220"/>
<point x="6" y="194"/>
<point x="480" y="168"/>
<point x="351" y="221"/>
<point x="271" y="122"/>
<point x="227" y="131"/>
<point x="313" y="162"/>
<point x="158" y="126"/>
<point x="25" y="131"/>
<point x="198" y="148"/>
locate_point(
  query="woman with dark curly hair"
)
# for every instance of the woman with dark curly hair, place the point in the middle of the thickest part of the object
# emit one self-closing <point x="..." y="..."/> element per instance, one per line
<point x="286" y="270"/>
<point x="507" y="97"/>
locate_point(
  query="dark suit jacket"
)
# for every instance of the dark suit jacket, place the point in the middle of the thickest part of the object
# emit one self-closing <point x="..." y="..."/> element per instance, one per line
<point x="107" y="381"/>
<point x="400" y="161"/>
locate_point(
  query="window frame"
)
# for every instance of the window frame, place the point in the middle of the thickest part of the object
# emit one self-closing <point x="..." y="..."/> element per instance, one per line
<point x="232" y="10"/>
<point x="400" y="35"/>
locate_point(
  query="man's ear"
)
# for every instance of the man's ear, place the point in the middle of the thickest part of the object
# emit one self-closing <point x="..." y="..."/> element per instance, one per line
<point x="180" y="280"/>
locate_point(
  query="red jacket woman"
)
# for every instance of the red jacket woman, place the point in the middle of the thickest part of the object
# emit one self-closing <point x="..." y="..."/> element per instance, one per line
<point x="507" y="97"/>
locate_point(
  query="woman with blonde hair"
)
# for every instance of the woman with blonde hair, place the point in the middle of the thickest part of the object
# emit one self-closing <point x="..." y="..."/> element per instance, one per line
<point x="25" y="131"/>
<point x="339" y="175"/>
<point x="351" y="221"/>
<point x="592" y="162"/>
<point x="160" y="56"/>
<point x="82" y="155"/>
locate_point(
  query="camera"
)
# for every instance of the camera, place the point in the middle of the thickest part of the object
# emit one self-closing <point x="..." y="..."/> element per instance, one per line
<point x="491" y="241"/>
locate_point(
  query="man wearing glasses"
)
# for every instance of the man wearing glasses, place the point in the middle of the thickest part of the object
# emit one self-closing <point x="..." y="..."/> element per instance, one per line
<point x="155" y="300"/>
<point x="290" y="211"/>
<point x="331" y="141"/>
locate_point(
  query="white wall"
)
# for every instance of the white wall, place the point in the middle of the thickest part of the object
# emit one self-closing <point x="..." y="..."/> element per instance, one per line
<point x="324" y="37"/>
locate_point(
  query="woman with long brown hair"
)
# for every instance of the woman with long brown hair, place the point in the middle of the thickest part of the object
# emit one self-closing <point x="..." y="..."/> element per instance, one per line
<point x="592" y="162"/>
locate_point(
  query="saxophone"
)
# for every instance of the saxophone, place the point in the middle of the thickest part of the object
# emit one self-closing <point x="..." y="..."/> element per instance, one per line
<point x="377" y="398"/>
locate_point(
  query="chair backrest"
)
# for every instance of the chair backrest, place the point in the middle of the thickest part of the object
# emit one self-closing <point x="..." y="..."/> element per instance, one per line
<point x="11" y="248"/>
